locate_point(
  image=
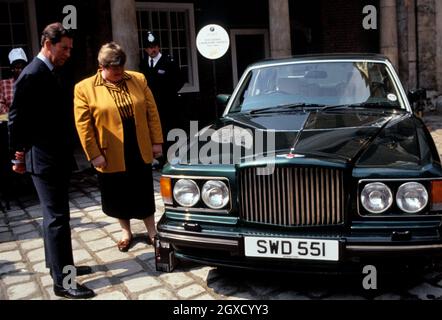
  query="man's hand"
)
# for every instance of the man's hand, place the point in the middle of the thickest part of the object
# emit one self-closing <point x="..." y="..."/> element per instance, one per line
<point x="99" y="162"/>
<point x="157" y="150"/>
<point x="19" y="162"/>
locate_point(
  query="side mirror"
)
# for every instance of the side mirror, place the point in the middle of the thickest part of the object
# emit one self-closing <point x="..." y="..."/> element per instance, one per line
<point x="221" y="101"/>
<point x="417" y="95"/>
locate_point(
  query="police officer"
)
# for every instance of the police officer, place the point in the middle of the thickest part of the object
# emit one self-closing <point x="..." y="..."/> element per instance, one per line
<point x="165" y="79"/>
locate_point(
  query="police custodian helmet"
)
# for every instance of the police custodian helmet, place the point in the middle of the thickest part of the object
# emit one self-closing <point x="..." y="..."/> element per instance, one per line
<point x="152" y="40"/>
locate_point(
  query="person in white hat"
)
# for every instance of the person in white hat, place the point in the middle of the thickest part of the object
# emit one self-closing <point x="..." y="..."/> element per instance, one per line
<point x="17" y="61"/>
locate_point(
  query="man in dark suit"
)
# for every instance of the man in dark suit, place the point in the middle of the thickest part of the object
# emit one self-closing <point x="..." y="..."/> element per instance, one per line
<point x="41" y="132"/>
<point x="165" y="79"/>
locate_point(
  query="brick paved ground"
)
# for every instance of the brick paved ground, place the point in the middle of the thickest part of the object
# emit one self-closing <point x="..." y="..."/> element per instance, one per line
<point x="132" y="275"/>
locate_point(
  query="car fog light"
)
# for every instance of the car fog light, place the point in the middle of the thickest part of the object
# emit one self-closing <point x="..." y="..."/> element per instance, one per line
<point x="215" y="194"/>
<point x="376" y="197"/>
<point x="412" y="197"/>
<point x="186" y="192"/>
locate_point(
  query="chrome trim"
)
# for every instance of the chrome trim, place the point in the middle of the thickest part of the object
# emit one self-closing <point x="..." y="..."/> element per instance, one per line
<point x="292" y="196"/>
<point x="404" y="215"/>
<point x="199" y="239"/>
<point x="398" y="84"/>
<point x="187" y="210"/>
<point x="297" y="198"/>
<point x="228" y="208"/>
<point x="400" y="179"/>
<point x="369" y="248"/>
<point x="219" y="219"/>
<point x="392" y="248"/>
<point x="322" y="212"/>
<point x="193" y="177"/>
<point x="278" y="191"/>
<point x="327" y="191"/>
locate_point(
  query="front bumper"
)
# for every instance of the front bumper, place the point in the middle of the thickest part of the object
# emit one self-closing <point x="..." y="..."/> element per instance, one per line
<point x="221" y="245"/>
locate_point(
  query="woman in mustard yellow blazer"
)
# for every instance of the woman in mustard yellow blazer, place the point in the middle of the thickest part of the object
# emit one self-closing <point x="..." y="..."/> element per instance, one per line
<point x="119" y="128"/>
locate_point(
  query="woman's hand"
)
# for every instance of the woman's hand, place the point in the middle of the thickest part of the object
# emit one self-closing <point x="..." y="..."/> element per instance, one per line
<point x="99" y="162"/>
<point x="157" y="150"/>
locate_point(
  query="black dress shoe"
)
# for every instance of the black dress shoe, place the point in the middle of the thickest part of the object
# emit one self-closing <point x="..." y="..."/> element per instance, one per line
<point x="82" y="270"/>
<point x="81" y="292"/>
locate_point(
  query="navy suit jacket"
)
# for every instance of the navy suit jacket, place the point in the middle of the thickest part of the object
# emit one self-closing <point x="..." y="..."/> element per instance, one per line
<point x="165" y="80"/>
<point x="41" y="121"/>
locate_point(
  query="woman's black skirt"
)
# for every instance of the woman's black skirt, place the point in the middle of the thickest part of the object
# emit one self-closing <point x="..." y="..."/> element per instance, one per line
<point x="128" y="195"/>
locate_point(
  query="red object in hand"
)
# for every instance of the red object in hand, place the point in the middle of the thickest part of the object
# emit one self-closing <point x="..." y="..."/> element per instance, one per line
<point x="19" y="162"/>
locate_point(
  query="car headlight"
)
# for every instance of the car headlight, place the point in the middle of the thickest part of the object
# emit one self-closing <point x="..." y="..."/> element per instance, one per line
<point x="412" y="197"/>
<point x="215" y="194"/>
<point x="186" y="192"/>
<point x="376" y="197"/>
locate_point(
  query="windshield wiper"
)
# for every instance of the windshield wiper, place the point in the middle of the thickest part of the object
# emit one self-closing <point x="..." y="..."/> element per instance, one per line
<point x="285" y="107"/>
<point x="378" y="104"/>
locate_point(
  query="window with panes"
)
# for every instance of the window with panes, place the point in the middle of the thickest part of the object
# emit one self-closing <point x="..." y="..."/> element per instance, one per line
<point x="13" y="31"/>
<point x="172" y="26"/>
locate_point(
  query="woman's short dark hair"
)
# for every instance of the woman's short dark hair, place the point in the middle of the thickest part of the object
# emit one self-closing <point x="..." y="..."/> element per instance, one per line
<point x="111" y="54"/>
<point x="54" y="32"/>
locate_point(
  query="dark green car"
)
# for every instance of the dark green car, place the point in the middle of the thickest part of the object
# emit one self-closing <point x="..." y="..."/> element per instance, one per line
<point x="317" y="162"/>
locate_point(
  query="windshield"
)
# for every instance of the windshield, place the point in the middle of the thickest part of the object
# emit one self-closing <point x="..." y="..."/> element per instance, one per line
<point x="320" y="83"/>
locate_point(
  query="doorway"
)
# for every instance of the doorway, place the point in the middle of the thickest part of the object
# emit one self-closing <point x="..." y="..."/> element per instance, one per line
<point x="248" y="46"/>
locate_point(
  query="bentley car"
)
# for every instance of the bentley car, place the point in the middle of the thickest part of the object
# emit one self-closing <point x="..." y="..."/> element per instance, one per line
<point x="317" y="162"/>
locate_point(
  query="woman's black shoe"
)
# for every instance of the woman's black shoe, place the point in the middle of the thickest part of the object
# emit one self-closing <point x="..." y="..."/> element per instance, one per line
<point x="81" y="292"/>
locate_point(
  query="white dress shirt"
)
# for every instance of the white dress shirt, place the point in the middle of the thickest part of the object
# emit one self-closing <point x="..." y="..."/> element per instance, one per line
<point x="155" y="60"/>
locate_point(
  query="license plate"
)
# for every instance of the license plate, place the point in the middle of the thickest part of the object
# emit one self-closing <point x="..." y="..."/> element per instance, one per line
<point x="291" y="248"/>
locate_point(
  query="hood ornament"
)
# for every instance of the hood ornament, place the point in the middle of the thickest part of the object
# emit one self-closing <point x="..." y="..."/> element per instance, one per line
<point x="290" y="155"/>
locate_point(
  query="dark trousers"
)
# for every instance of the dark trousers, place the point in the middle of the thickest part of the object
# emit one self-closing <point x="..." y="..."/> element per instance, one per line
<point x="53" y="192"/>
<point x="5" y="167"/>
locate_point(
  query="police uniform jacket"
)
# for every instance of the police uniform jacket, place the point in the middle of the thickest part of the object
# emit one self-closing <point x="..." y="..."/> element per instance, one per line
<point x="165" y="80"/>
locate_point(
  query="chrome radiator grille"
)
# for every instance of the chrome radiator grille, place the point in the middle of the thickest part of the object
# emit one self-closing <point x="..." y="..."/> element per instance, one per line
<point x="292" y="196"/>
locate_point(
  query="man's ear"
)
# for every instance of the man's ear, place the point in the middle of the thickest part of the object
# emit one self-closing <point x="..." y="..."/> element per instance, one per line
<point x="47" y="44"/>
